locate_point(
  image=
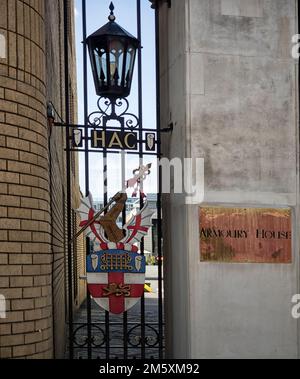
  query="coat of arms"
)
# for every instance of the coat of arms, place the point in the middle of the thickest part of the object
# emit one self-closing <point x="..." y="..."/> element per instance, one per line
<point x="115" y="270"/>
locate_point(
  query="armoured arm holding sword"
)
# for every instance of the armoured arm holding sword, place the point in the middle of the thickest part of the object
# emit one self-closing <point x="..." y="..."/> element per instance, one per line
<point x="108" y="221"/>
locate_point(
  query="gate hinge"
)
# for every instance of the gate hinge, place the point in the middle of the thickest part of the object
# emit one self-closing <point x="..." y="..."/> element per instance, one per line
<point x="169" y="129"/>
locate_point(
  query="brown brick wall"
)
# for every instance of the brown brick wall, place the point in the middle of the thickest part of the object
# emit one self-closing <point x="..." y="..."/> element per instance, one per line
<point x="32" y="181"/>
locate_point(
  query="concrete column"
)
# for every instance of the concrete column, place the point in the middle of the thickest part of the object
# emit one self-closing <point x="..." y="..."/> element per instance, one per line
<point x="229" y="85"/>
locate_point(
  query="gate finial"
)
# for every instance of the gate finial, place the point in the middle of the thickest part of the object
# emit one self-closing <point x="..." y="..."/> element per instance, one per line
<point x="112" y="16"/>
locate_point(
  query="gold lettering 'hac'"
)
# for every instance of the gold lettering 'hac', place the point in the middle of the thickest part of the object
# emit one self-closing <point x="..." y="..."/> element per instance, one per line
<point x="115" y="141"/>
<point x="126" y="141"/>
<point x="97" y="139"/>
<point x="102" y="140"/>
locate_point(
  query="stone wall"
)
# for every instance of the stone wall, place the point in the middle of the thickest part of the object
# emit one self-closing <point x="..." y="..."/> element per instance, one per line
<point x="229" y="85"/>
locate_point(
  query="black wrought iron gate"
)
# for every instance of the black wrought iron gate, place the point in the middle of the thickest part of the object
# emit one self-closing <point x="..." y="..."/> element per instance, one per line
<point x="140" y="332"/>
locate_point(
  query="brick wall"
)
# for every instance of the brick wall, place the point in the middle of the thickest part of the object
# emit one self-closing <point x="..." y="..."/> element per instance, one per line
<point x="32" y="180"/>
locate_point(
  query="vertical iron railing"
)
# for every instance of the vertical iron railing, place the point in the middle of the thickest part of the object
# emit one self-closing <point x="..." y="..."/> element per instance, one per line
<point x="125" y="315"/>
<point x="87" y="163"/>
<point x="105" y="191"/>
<point x="140" y="112"/>
<point x="159" y="195"/>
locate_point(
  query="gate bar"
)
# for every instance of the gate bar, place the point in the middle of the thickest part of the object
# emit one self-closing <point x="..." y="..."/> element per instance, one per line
<point x="140" y="111"/>
<point x="87" y="162"/>
<point x="159" y="197"/>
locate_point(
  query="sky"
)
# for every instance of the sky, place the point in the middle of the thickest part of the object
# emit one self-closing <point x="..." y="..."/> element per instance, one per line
<point x="125" y="12"/>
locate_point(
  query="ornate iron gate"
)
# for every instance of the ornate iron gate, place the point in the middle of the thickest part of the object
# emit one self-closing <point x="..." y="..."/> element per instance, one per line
<point x="97" y="334"/>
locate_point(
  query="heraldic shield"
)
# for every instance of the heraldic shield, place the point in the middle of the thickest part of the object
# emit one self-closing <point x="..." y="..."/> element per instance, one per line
<point x="116" y="279"/>
<point x="115" y="270"/>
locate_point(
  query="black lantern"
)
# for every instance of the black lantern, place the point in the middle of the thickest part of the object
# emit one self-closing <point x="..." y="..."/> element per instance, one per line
<point x="112" y="51"/>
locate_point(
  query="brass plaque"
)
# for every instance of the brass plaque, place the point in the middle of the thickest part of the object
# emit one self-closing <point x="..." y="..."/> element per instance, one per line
<point x="245" y="235"/>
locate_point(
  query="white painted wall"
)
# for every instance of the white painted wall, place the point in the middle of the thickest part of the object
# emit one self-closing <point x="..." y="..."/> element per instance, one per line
<point x="229" y="85"/>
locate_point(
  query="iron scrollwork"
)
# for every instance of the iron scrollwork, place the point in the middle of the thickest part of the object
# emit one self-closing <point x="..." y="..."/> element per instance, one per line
<point x="99" y="338"/>
<point x="80" y="337"/>
<point x="135" y="339"/>
<point x="115" y="109"/>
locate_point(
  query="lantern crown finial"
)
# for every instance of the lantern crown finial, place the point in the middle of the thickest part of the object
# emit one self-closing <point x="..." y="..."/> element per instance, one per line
<point x="112" y="16"/>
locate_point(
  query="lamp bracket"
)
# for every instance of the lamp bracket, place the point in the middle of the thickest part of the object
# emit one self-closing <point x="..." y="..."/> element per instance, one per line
<point x="113" y="108"/>
<point x="169" y="129"/>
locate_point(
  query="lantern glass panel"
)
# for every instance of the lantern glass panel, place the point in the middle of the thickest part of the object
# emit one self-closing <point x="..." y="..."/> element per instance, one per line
<point x="101" y="65"/>
<point x="116" y="49"/>
<point x="131" y="52"/>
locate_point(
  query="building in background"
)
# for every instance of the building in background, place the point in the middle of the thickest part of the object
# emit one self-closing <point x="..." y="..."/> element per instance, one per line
<point x="33" y="243"/>
<point x="229" y="85"/>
